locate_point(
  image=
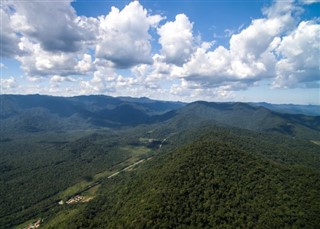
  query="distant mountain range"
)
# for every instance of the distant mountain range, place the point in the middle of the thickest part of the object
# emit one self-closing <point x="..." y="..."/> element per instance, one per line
<point x="176" y="165"/>
<point x="34" y="113"/>
<point x="38" y="112"/>
<point x="291" y="108"/>
<point x="246" y="116"/>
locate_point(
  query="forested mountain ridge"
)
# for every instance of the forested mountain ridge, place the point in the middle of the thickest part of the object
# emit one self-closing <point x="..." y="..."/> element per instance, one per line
<point x="66" y="106"/>
<point x="147" y="159"/>
<point x="313" y="110"/>
<point x="209" y="183"/>
<point x="34" y="113"/>
<point x="243" y="115"/>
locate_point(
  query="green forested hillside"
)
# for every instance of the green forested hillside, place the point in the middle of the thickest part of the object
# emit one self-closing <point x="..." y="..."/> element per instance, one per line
<point x="199" y="165"/>
<point x="36" y="169"/>
<point x="245" y="116"/>
<point x="312" y="110"/>
<point x="209" y="183"/>
<point x="40" y="113"/>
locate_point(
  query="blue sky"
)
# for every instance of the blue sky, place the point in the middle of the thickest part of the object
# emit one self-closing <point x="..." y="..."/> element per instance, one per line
<point x="169" y="50"/>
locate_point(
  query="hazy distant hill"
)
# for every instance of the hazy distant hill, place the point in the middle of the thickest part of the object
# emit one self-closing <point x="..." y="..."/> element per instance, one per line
<point x="249" y="117"/>
<point x="211" y="164"/>
<point x="66" y="106"/>
<point x="292" y="108"/>
<point x="34" y="113"/>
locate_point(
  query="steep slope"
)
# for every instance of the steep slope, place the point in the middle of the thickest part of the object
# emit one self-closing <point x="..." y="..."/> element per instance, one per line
<point x="125" y="114"/>
<point x="313" y="110"/>
<point x="38" y="169"/>
<point x="66" y="106"/>
<point x="245" y="116"/>
<point x="34" y="113"/>
<point x="44" y="138"/>
<point x="208" y="184"/>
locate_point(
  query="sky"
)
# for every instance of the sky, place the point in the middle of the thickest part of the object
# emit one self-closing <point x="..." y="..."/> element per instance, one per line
<point x="180" y="50"/>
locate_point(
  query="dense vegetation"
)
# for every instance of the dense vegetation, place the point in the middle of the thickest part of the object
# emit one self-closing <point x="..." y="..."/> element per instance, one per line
<point x="245" y="116"/>
<point x="37" y="113"/>
<point x="291" y="108"/>
<point x="209" y="183"/>
<point x="212" y="164"/>
<point x="36" y="168"/>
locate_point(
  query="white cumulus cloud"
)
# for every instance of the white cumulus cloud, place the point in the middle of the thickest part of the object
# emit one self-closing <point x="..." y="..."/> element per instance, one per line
<point x="53" y="25"/>
<point x="308" y="2"/>
<point x="9" y="39"/>
<point x="299" y="54"/>
<point x="250" y="57"/>
<point x="75" y="54"/>
<point x="123" y="35"/>
<point x="176" y="40"/>
<point x="8" y="83"/>
<point x="57" y="79"/>
<point x="38" y="62"/>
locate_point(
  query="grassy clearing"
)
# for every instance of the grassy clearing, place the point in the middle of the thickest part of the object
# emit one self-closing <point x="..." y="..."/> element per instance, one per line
<point x="92" y="191"/>
<point x="60" y="219"/>
<point x="316" y="142"/>
<point x="25" y="224"/>
<point x="74" y="189"/>
<point x="143" y="140"/>
<point x="136" y="150"/>
<point x="102" y="175"/>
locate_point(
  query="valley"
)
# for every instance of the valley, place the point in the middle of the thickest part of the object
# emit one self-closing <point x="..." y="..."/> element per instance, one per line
<point x="159" y="114"/>
<point x="82" y="193"/>
<point x="79" y="168"/>
<point x="185" y="165"/>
